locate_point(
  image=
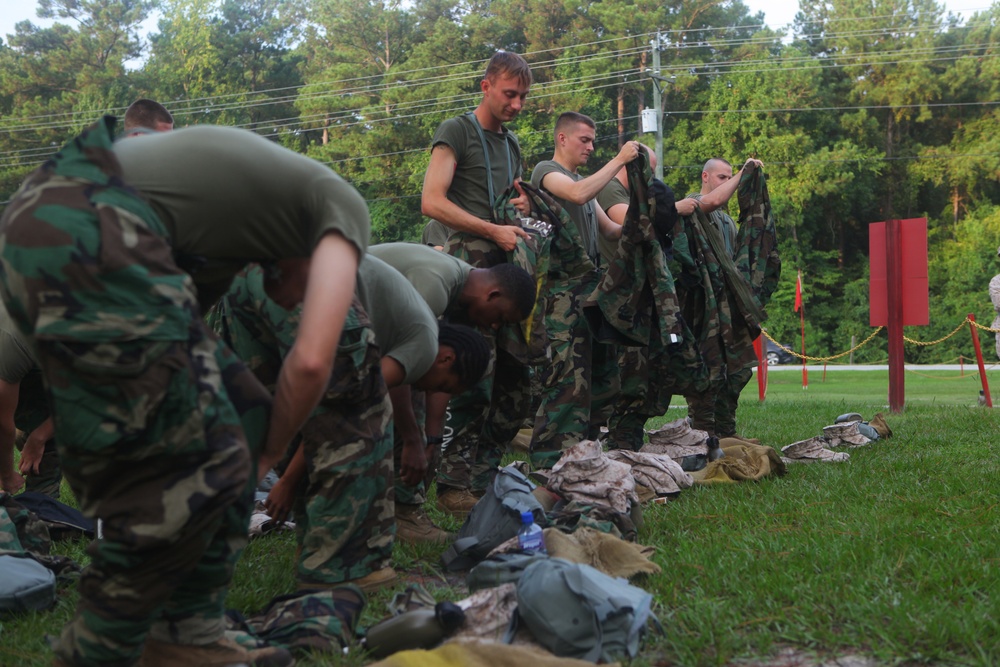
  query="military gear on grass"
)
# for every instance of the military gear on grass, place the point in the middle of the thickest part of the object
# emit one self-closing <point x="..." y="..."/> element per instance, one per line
<point x="314" y="620"/>
<point x="577" y="611"/>
<point x="495" y="519"/>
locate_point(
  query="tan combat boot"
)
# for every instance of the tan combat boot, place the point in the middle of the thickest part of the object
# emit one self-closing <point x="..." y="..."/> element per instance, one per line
<point x="456" y="502"/>
<point x="223" y="653"/>
<point x="413" y="526"/>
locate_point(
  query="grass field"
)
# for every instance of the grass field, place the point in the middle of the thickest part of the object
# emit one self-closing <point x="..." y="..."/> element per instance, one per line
<point x="892" y="555"/>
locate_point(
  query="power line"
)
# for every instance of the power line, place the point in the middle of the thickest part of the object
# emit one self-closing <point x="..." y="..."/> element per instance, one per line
<point x="680" y="35"/>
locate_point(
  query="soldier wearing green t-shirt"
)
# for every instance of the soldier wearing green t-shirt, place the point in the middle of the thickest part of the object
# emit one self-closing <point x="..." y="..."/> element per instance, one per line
<point x="23" y="406"/>
<point x="456" y="292"/>
<point x="573" y="404"/>
<point x="108" y="254"/>
<point x="461" y="185"/>
<point x="340" y="478"/>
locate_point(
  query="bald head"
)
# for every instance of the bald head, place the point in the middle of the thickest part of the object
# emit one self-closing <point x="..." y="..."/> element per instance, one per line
<point x="715" y="172"/>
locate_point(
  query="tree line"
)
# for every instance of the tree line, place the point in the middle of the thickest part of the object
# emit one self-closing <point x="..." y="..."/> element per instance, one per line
<point x="863" y="110"/>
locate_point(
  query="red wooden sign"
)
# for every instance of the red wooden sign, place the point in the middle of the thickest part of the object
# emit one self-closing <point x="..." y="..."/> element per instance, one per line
<point x="914" y="273"/>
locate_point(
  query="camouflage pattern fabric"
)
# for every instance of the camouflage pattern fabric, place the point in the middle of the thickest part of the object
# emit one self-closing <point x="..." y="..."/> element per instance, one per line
<point x="747" y="285"/>
<point x="147" y="403"/>
<point x="716" y="413"/>
<point x="22" y="532"/>
<point x="404" y="493"/>
<point x="605" y="386"/>
<point x="344" y="515"/>
<point x="20" y="529"/>
<point x="635" y="302"/>
<point x="564" y="413"/>
<point x="303" y="622"/>
<point x="482" y="420"/>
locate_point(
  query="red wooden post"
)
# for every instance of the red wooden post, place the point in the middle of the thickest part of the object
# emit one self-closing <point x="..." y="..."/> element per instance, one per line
<point x="894" y="275"/>
<point x="979" y="359"/>
<point x="759" y="348"/>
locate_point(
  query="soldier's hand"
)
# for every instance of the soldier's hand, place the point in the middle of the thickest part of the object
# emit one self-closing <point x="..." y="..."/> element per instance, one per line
<point x="280" y="500"/>
<point x="412" y="463"/>
<point x="31" y="457"/>
<point x="521" y="202"/>
<point x="751" y="164"/>
<point x="506" y="236"/>
<point x="629" y="152"/>
<point x="687" y="206"/>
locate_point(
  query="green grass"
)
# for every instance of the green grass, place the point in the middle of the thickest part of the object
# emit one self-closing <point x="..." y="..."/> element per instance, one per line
<point x="892" y="554"/>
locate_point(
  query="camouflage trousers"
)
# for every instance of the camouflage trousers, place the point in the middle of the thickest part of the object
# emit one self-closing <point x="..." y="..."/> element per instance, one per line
<point x="482" y="421"/>
<point x="605" y="386"/>
<point x="148" y="405"/>
<point x="49" y="476"/>
<point x="406" y="494"/>
<point x="715" y="411"/>
<point x="345" y="519"/>
<point x="564" y="415"/>
<point x="640" y="398"/>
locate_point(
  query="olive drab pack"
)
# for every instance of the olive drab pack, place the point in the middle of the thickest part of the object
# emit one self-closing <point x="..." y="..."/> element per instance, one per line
<point x="577" y="611"/>
<point x="495" y="519"/>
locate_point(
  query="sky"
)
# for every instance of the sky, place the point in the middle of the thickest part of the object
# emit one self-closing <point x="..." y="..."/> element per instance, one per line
<point x="777" y="13"/>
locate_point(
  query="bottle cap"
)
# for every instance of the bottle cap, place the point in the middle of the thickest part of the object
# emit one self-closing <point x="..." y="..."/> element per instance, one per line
<point x="527" y="517"/>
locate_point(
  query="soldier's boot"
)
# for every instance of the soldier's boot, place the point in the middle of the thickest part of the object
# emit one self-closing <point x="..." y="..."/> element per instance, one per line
<point x="456" y="502"/>
<point x="223" y="653"/>
<point x="413" y="526"/>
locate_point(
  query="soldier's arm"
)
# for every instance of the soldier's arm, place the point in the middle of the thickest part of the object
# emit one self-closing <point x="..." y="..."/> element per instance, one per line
<point x="281" y="497"/>
<point x="721" y="195"/>
<point x="306" y="370"/>
<point x="608" y="228"/>
<point x="434" y="203"/>
<point x="10" y="481"/>
<point x="582" y="191"/>
<point x="617" y="213"/>
<point x="413" y="460"/>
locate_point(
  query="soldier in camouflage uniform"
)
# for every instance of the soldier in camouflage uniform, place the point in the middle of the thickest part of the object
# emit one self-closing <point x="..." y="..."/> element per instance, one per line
<point x="474" y="159"/>
<point x="486" y="298"/>
<point x="340" y="478"/>
<point x="152" y="413"/>
<point x="714" y="410"/>
<point x="570" y="411"/>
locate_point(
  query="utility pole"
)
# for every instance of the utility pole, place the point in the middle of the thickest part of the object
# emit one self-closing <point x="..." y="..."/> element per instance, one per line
<point x="658" y="88"/>
<point x="658" y="105"/>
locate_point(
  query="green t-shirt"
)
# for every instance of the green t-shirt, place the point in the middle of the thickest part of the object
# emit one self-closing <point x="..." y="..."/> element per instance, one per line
<point x="724" y="224"/>
<point x="585" y="217"/>
<point x="17" y="366"/>
<point x="612" y="194"/>
<point x="437" y="277"/>
<point x="228" y="197"/>
<point x="469" y="189"/>
<point x="405" y="328"/>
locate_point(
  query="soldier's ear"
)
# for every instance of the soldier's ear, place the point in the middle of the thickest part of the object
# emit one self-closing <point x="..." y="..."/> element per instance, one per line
<point x="494" y="293"/>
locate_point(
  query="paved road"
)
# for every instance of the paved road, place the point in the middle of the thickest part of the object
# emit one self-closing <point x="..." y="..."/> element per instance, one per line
<point x="968" y="368"/>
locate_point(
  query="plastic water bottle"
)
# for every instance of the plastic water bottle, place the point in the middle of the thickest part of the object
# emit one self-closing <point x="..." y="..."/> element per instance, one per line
<point x="530" y="537"/>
